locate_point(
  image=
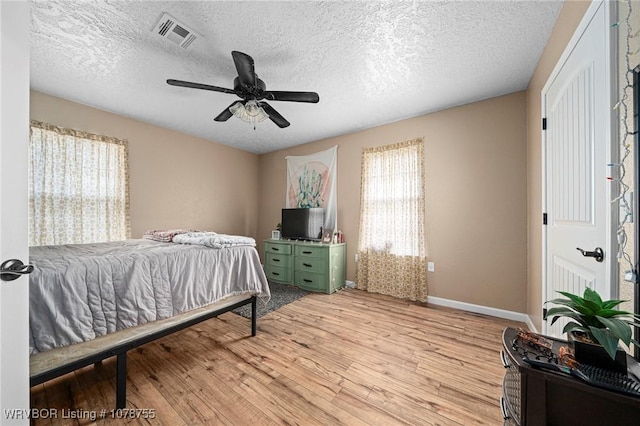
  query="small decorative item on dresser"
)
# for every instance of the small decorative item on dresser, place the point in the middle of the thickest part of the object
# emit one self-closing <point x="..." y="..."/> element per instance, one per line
<point x="327" y="236"/>
<point x="275" y="235"/>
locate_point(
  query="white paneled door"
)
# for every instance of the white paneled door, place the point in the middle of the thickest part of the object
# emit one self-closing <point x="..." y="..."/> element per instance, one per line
<point x="577" y="142"/>
<point x="14" y="142"/>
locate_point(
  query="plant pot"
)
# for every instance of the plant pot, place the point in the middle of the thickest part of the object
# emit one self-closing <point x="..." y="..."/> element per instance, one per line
<point x="594" y="354"/>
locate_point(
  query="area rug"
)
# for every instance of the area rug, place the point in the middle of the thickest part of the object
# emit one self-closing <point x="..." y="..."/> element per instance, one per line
<point x="281" y="294"/>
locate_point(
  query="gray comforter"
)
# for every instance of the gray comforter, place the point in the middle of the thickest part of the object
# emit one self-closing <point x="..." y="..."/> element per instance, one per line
<point x="81" y="291"/>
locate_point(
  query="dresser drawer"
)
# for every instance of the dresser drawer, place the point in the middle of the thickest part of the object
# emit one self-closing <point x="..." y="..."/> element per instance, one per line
<point x="277" y="273"/>
<point x="311" y="264"/>
<point x="311" y="251"/>
<point x="277" y="259"/>
<point x="310" y="281"/>
<point x="282" y="248"/>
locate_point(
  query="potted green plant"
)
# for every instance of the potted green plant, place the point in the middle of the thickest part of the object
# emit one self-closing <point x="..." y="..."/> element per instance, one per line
<point x="595" y="325"/>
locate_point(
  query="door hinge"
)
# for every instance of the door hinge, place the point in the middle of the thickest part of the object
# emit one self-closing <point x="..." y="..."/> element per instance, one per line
<point x="544" y="124"/>
<point x="544" y="218"/>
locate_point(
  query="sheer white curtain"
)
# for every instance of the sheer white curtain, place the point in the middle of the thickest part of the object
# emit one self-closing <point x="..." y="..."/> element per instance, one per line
<point x="391" y="246"/>
<point x="78" y="187"/>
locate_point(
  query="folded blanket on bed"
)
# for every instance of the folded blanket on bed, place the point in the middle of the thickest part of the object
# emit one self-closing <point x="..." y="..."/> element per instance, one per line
<point x="214" y="240"/>
<point x="164" y="235"/>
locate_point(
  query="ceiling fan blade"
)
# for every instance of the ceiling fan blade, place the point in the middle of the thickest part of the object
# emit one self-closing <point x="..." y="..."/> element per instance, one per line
<point x="200" y="86"/>
<point x="274" y="115"/>
<point x="226" y="114"/>
<point x="274" y="95"/>
<point x="245" y="67"/>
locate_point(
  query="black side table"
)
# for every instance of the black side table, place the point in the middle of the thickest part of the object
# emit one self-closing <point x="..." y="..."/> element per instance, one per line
<point x="534" y="396"/>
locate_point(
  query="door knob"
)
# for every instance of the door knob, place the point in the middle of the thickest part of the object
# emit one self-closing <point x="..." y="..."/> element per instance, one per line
<point x="13" y="268"/>
<point x="597" y="254"/>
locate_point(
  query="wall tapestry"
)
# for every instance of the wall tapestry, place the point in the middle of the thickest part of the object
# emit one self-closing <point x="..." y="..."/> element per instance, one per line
<point x="311" y="182"/>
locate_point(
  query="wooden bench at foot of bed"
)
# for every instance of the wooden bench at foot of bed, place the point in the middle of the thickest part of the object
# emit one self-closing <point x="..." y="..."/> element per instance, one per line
<point x="48" y="365"/>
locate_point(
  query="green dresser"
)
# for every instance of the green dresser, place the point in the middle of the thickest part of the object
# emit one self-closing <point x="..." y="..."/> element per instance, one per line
<point x="311" y="266"/>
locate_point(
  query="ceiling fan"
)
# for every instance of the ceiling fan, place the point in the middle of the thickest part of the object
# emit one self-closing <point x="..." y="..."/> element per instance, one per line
<point x="252" y="108"/>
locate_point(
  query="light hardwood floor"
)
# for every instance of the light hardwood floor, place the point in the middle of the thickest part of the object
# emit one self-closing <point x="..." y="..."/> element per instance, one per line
<point x="351" y="358"/>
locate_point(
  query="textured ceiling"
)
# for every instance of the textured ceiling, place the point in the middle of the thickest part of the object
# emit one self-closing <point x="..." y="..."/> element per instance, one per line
<point x="371" y="62"/>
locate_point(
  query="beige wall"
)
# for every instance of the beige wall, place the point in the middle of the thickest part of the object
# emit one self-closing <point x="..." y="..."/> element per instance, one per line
<point x="568" y="20"/>
<point x="175" y="180"/>
<point x="475" y="160"/>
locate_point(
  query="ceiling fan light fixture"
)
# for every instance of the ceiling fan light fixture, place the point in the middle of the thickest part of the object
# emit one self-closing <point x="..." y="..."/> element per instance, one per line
<point x="251" y="112"/>
<point x="252" y="108"/>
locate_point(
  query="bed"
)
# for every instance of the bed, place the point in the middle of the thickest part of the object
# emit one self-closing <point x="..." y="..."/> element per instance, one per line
<point x="89" y="302"/>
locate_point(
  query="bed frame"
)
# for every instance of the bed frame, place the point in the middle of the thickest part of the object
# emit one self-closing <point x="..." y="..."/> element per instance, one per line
<point x="57" y="362"/>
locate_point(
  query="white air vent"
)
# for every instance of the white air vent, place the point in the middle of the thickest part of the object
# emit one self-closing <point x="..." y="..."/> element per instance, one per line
<point x="169" y="28"/>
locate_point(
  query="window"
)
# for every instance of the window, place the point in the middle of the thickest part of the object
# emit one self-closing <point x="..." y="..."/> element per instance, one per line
<point x="391" y="246"/>
<point x="78" y="187"/>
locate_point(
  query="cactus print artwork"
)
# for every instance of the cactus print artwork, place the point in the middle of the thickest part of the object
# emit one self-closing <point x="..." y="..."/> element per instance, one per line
<point x="311" y="183"/>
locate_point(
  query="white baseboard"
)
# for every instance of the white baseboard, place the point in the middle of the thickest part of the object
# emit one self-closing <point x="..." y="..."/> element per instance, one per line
<point x="485" y="310"/>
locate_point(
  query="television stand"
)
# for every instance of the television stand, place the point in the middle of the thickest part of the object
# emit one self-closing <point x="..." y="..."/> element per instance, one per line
<point x="312" y="266"/>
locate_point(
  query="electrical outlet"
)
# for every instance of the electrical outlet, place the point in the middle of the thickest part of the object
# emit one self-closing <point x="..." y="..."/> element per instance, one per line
<point x="431" y="266"/>
<point x="356" y="257"/>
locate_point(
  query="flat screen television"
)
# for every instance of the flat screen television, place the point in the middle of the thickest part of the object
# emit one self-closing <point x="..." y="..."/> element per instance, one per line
<point x="302" y="224"/>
